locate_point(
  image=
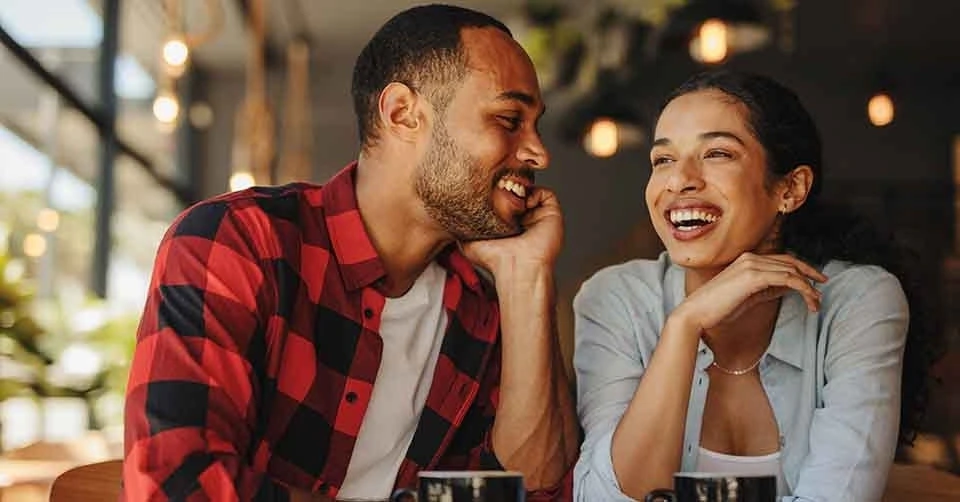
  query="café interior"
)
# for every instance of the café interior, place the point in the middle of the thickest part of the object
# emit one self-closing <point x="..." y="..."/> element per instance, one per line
<point x="116" y="115"/>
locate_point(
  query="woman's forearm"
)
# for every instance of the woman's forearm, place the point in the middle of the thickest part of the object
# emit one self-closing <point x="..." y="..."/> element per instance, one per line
<point x="647" y="443"/>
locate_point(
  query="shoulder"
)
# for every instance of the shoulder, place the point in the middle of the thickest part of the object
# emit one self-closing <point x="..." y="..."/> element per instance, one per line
<point x="852" y="283"/>
<point x="248" y="215"/>
<point x="636" y="282"/>
<point x="285" y="202"/>
<point x="849" y="282"/>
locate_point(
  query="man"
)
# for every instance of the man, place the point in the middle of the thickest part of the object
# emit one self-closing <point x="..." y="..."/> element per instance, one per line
<point x="333" y="341"/>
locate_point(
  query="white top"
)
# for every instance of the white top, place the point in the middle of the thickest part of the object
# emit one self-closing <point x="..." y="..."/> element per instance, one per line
<point x="832" y="377"/>
<point x="412" y="328"/>
<point x="761" y="465"/>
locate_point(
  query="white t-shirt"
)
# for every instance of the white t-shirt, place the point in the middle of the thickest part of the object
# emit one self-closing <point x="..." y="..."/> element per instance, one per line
<point x="710" y="461"/>
<point x="412" y="328"/>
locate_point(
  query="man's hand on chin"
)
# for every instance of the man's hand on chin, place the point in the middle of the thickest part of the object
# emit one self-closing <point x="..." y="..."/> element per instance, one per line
<point x="537" y="245"/>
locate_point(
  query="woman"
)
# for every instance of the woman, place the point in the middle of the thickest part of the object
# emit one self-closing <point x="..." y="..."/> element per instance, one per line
<point x="769" y="337"/>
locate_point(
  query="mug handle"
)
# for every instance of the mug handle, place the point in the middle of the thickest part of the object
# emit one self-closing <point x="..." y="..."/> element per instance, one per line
<point x="403" y="495"/>
<point x="660" y="494"/>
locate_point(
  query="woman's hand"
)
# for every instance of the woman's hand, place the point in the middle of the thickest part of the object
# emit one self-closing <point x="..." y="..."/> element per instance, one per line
<point x="750" y="280"/>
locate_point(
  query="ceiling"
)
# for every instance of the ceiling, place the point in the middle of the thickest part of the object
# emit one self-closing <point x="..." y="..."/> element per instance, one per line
<point x="920" y="40"/>
<point x="337" y="29"/>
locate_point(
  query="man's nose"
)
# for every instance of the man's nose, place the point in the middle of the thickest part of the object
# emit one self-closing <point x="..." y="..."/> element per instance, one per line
<point x="532" y="153"/>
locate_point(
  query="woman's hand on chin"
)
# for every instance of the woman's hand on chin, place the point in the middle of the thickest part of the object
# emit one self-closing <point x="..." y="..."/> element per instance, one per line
<point x="750" y="280"/>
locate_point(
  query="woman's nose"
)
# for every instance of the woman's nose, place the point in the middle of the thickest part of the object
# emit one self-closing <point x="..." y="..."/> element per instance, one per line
<point x="685" y="177"/>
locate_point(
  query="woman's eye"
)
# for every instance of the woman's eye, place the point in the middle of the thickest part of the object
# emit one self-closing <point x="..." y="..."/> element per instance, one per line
<point x="660" y="160"/>
<point x="718" y="154"/>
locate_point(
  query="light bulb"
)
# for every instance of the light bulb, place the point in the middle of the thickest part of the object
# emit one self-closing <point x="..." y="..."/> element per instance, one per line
<point x="603" y="138"/>
<point x="166" y="108"/>
<point x="176" y="53"/>
<point x="712" y="41"/>
<point x="880" y="109"/>
<point x="241" y="181"/>
<point x="34" y="245"/>
<point x="48" y="219"/>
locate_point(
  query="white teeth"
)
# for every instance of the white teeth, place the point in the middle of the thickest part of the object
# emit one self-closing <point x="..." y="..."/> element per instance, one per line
<point x="678" y="216"/>
<point x="512" y="186"/>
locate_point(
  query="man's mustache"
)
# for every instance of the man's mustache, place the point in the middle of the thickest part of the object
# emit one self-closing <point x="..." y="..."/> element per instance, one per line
<point x="523" y="172"/>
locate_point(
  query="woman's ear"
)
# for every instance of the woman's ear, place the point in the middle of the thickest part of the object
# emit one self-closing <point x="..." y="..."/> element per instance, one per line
<point x="399" y="110"/>
<point x="796" y="187"/>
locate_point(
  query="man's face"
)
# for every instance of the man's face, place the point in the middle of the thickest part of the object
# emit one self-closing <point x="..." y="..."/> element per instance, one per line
<point x="484" y="148"/>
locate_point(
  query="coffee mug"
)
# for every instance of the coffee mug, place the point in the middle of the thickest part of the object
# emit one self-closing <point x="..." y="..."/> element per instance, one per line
<point x="468" y="486"/>
<point x="708" y="487"/>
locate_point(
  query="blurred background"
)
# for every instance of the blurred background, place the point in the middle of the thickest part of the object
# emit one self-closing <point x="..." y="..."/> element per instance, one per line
<point x="115" y="115"/>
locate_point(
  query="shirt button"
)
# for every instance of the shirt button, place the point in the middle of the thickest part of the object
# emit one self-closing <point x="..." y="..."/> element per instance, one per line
<point x="368" y="313"/>
<point x="351" y="397"/>
<point x="699" y="380"/>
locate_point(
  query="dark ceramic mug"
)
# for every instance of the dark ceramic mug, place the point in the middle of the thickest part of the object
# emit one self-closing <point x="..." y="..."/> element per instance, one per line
<point x="466" y="486"/>
<point x="706" y="487"/>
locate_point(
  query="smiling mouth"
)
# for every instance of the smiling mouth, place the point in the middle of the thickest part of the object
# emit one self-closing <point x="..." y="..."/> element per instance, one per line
<point x="513" y="186"/>
<point x="689" y="220"/>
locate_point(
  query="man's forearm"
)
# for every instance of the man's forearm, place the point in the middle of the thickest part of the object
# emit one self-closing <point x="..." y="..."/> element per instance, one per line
<point x="535" y="431"/>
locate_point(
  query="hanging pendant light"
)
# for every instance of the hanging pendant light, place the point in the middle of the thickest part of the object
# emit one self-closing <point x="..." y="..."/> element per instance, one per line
<point x="880" y="109"/>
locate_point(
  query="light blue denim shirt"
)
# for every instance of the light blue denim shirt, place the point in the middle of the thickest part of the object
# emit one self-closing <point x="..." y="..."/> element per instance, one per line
<point x="832" y="377"/>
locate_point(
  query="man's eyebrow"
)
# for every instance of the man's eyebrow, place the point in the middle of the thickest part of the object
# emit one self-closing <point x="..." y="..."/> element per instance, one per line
<point x="522" y="97"/>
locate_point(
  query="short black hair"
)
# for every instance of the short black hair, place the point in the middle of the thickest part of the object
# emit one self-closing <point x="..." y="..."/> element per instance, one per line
<point x="420" y="47"/>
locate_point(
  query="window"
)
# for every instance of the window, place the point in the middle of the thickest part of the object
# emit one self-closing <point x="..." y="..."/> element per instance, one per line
<point x="63" y="35"/>
<point x="86" y="288"/>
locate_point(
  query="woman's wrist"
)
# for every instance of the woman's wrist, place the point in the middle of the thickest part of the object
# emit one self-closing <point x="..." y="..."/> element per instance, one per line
<point x="683" y="323"/>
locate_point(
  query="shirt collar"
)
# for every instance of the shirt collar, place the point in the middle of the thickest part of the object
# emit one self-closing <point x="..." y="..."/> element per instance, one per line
<point x="788" y="340"/>
<point x="360" y="265"/>
<point x="452" y="259"/>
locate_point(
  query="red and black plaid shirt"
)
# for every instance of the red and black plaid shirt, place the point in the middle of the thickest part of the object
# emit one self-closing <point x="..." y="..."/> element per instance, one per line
<point x="259" y="348"/>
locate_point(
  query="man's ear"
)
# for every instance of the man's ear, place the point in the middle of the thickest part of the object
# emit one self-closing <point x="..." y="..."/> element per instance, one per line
<point x="401" y="112"/>
<point x="796" y="187"/>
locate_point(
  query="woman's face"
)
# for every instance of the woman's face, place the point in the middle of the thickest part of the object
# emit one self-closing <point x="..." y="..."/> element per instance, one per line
<point x="708" y="195"/>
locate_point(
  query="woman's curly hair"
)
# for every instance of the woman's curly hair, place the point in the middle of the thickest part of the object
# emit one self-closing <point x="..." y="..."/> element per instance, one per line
<point x="818" y="232"/>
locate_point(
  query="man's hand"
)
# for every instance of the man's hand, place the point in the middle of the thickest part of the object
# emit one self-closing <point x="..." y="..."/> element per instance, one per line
<point x="538" y="244"/>
<point x="298" y="495"/>
<point x="535" y="430"/>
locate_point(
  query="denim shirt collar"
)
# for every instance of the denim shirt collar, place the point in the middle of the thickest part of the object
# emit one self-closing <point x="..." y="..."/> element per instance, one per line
<point x="788" y="341"/>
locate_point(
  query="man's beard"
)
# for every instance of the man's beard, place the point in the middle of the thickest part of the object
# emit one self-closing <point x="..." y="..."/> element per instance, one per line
<point x="455" y="192"/>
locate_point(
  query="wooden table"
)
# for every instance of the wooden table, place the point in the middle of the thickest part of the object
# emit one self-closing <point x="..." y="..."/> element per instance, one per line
<point x="29" y="480"/>
<point x="920" y="483"/>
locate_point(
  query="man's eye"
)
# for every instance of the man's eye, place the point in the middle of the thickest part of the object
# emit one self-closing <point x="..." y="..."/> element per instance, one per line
<point x="511" y="123"/>
<point x="660" y="160"/>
